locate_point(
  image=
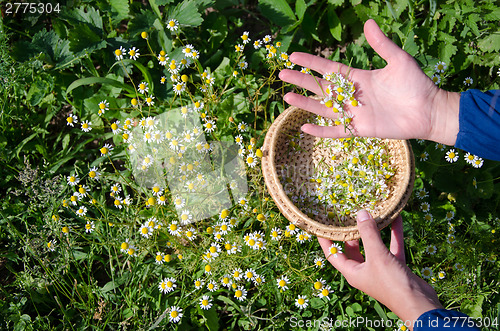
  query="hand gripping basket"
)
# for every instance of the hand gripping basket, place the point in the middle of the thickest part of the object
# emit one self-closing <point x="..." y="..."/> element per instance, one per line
<point x="276" y="157"/>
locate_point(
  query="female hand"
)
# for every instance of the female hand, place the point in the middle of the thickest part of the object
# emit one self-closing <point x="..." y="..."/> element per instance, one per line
<point x="398" y="101"/>
<point x="383" y="274"/>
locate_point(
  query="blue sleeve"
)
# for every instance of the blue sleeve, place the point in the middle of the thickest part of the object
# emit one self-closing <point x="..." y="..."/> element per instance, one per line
<point x="479" y="123"/>
<point x="443" y="319"/>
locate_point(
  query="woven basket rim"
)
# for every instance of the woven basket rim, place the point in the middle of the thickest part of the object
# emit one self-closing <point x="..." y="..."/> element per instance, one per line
<point x="299" y="218"/>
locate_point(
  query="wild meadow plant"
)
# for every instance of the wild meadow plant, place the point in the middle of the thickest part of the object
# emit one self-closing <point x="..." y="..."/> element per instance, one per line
<point x="163" y="220"/>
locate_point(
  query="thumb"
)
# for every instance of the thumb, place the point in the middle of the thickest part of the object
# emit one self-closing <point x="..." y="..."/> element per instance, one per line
<point x="370" y="235"/>
<point x="384" y="46"/>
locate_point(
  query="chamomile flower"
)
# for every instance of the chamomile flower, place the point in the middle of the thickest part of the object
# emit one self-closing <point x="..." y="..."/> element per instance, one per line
<point x="451" y="156"/>
<point x="238" y="48"/>
<point x="159" y="258"/>
<point x="173" y="228"/>
<point x="205" y="302"/>
<point x="186" y="217"/>
<point x="86" y="126"/>
<point x="226" y="281"/>
<point x="468" y="81"/>
<point x="424" y="156"/>
<point x="179" y="87"/>
<point x="89" y="227"/>
<point x="240" y="294"/>
<point x="282" y="283"/>
<point x="243" y="65"/>
<point x="51" y="245"/>
<point x="441" y="274"/>
<point x="449" y="215"/>
<point x="179" y="202"/>
<point x="257" y="44"/>
<point x="198" y="105"/>
<point x="133" y="53"/>
<point x="334" y="249"/>
<point x="251" y="160"/>
<point x="170" y="284"/>
<point x="210" y="126"/>
<point x="190" y="233"/>
<point x="81" y="211"/>
<point x="267" y="39"/>
<point x="244" y="37"/>
<point x="212" y="286"/>
<point x="301" y="302"/>
<point x="146" y="231"/>
<point x="149" y="100"/>
<point x="237" y="274"/>
<point x="106" y="149"/>
<point x="124" y="246"/>
<point x="71" y="120"/>
<point x="459" y="266"/>
<point x="198" y="283"/>
<point x="426" y="273"/>
<point x="143" y="87"/>
<point x="325" y="292"/>
<point x="305" y="70"/>
<point x="73" y="180"/>
<point x="119" y="53"/>
<point x="422" y="193"/>
<point x="440" y="67"/>
<point x="174" y="314"/>
<point x="173" y="25"/>
<point x="115" y="189"/>
<point x="319" y="262"/>
<point x="478" y="162"/>
<point x="242" y="127"/>
<point x="431" y="249"/>
<point x="249" y="274"/>
<point x="115" y="127"/>
<point x="436" y="79"/>
<point x="276" y="234"/>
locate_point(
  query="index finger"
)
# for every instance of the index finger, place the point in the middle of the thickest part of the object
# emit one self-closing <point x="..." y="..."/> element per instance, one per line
<point x="318" y="64"/>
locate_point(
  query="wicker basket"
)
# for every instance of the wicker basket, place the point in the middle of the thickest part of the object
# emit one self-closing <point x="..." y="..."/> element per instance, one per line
<point x="275" y="155"/>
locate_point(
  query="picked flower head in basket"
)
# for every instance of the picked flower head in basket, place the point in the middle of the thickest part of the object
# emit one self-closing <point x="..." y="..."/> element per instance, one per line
<point x="319" y="184"/>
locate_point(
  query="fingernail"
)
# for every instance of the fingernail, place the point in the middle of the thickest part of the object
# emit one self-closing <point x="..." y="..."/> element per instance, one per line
<point x="363" y="215"/>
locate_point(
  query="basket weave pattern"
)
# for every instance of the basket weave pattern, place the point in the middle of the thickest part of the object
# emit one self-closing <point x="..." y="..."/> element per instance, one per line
<point x="277" y="159"/>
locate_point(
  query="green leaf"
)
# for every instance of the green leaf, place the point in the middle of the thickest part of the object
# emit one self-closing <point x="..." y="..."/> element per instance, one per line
<point x="317" y="303"/>
<point x="380" y="311"/>
<point x="121" y="8"/>
<point x="490" y="43"/>
<point x="55" y="50"/>
<point x="212" y="321"/>
<point x="83" y="38"/>
<point x="473" y="308"/>
<point x="141" y="22"/>
<point x="229" y="302"/>
<point x="336" y="2"/>
<point x="83" y="15"/>
<point x="410" y="46"/>
<point x="186" y="13"/>
<point x="37" y="92"/>
<point x="142" y="68"/>
<point x="446" y="47"/>
<point x="334" y="24"/>
<point x="277" y="11"/>
<point x="300" y="9"/>
<point x="98" y="80"/>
